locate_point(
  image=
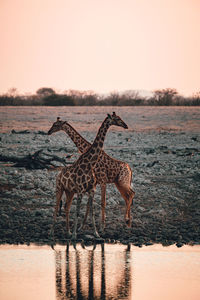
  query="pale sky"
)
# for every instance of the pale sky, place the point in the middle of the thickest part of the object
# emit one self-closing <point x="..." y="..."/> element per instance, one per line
<point x="100" y="45"/>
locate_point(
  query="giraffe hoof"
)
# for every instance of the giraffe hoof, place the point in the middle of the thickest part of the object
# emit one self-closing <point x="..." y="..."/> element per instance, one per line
<point x="128" y="223"/>
<point x="69" y="235"/>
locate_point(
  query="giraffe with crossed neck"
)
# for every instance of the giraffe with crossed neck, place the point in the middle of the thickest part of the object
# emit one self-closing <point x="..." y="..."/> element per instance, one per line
<point x="79" y="178"/>
<point x="107" y="170"/>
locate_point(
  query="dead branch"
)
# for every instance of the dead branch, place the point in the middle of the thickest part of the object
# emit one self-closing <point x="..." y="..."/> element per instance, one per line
<point x="37" y="160"/>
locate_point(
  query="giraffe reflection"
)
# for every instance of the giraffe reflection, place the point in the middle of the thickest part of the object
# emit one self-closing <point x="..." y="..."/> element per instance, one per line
<point x="93" y="274"/>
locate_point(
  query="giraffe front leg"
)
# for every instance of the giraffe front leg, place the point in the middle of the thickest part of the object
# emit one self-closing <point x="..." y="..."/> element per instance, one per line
<point x="91" y="200"/>
<point x="103" y="205"/>
<point x="85" y="217"/>
<point x="69" y="198"/>
<point x="78" y="206"/>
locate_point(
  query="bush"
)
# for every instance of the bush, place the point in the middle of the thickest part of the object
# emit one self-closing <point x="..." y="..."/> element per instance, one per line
<point x="48" y="97"/>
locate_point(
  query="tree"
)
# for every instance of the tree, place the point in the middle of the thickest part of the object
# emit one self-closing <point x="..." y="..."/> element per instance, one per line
<point x="58" y="100"/>
<point x="131" y="97"/>
<point x="196" y="98"/>
<point x="165" y="96"/>
<point x="113" y="98"/>
<point x="45" y="92"/>
<point x="12" y="92"/>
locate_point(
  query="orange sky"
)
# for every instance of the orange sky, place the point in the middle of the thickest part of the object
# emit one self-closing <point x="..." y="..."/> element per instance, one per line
<point x="100" y="45"/>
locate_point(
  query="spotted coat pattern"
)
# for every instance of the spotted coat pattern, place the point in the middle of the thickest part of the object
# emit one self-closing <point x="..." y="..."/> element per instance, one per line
<point x="106" y="169"/>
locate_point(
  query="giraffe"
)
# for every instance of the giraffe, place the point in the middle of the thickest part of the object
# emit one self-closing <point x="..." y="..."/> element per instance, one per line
<point x="79" y="178"/>
<point x="107" y="170"/>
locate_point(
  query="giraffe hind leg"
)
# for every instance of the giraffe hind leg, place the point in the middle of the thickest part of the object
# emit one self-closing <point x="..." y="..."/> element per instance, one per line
<point x="128" y="194"/>
<point x="60" y="207"/>
<point x="59" y="193"/>
<point x="78" y="206"/>
<point x="85" y="217"/>
<point x="91" y="201"/>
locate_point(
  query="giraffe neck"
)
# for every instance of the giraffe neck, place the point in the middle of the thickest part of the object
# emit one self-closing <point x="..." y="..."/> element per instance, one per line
<point x="78" y="140"/>
<point x="97" y="146"/>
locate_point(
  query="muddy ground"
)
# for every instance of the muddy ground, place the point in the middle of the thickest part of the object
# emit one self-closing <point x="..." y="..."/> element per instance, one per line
<point x="166" y="180"/>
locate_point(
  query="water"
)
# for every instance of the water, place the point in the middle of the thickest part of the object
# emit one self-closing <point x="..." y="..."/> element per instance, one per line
<point x="89" y="118"/>
<point x="109" y="272"/>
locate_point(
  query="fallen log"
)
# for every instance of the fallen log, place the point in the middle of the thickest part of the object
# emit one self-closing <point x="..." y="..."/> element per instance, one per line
<point x="26" y="131"/>
<point x="37" y="160"/>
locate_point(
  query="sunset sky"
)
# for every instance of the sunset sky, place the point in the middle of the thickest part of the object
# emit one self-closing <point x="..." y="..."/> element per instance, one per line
<point x="100" y="45"/>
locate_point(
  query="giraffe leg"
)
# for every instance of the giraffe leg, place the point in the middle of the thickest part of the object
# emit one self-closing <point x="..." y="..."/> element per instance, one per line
<point x="78" y="206"/>
<point x="85" y="217"/>
<point x="59" y="193"/>
<point x="91" y="201"/>
<point x="128" y="208"/>
<point x="103" y="205"/>
<point x="60" y="207"/>
<point x="128" y="194"/>
<point x="69" y="198"/>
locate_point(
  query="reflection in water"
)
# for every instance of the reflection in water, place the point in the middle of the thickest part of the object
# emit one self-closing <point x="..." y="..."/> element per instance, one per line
<point x="28" y="272"/>
<point x="93" y="274"/>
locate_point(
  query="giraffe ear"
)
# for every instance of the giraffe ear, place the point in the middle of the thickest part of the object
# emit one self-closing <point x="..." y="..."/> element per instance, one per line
<point x="109" y="116"/>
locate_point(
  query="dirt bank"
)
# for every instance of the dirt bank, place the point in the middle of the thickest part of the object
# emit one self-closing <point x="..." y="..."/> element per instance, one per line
<point x="166" y="179"/>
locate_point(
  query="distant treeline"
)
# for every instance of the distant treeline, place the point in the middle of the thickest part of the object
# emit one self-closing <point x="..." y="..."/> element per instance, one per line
<point x="48" y="97"/>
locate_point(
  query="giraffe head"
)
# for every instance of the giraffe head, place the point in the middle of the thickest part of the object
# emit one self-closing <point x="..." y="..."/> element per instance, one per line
<point x="56" y="126"/>
<point x="116" y="120"/>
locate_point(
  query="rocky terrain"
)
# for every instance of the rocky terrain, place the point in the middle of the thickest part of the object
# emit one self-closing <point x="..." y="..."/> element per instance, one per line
<point x="166" y="180"/>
